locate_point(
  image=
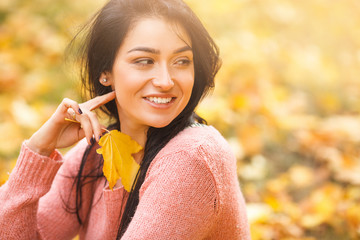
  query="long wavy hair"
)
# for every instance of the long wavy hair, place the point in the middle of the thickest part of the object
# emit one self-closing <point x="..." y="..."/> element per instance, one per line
<point x="104" y="35"/>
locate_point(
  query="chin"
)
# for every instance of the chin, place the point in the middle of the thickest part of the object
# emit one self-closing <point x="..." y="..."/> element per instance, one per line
<point x="160" y="123"/>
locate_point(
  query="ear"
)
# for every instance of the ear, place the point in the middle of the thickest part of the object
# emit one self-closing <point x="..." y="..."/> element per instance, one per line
<point x="105" y="79"/>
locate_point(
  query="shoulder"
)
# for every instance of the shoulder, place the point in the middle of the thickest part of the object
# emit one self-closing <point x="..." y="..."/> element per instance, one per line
<point x="205" y="146"/>
<point x="198" y="146"/>
<point x="203" y="140"/>
<point x="197" y="156"/>
<point x="184" y="165"/>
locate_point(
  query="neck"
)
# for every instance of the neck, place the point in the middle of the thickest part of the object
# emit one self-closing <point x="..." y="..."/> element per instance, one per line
<point x="136" y="133"/>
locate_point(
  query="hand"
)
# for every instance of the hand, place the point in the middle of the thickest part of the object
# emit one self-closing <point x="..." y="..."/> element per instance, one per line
<point x="59" y="133"/>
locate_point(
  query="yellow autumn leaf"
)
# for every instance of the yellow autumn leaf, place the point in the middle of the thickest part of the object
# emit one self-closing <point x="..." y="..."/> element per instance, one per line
<point x="117" y="149"/>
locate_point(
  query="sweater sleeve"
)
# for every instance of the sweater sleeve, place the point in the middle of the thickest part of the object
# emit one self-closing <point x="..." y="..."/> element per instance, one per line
<point x="29" y="208"/>
<point x="177" y="200"/>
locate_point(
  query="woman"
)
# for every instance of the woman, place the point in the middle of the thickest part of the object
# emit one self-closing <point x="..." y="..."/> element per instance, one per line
<point x="147" y="63"/>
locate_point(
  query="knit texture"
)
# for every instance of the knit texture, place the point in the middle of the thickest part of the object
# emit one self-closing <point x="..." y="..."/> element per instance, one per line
<point x="191" y="191"/>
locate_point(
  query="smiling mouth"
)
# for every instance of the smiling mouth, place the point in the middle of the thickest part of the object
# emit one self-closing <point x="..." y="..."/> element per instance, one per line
<point x="159" y="100"/>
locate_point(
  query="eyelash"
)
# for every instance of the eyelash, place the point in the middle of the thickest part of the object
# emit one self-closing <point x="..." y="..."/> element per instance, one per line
<point x="181" y="62"/>
<point x="185" y="62"/>
<point x="140" y="62"/>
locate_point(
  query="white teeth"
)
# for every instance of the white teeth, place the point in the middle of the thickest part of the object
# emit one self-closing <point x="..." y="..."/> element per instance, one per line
<point x="159" y="100"/>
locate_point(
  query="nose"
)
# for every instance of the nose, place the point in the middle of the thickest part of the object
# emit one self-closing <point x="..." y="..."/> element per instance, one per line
<point x="163" y="79"/>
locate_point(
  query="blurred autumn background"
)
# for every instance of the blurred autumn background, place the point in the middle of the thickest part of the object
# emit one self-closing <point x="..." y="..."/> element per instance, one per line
<point x="287" y="99"/>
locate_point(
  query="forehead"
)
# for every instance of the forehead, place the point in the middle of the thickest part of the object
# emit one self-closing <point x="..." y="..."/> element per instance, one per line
<point x="156" y="33"/>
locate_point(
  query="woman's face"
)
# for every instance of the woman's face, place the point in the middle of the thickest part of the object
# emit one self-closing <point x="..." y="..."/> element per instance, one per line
<point x="153" y="74"/>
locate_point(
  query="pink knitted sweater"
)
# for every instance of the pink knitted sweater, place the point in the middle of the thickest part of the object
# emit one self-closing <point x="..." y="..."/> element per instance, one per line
<point x="191" y="191"/>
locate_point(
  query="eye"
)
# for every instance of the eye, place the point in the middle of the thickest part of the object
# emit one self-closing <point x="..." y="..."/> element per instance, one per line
<point x="144" y="61"/>
<point x="183" y="62"/>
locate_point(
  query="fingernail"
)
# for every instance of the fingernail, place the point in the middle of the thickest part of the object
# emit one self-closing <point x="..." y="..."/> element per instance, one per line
<point x="80" y="111"/>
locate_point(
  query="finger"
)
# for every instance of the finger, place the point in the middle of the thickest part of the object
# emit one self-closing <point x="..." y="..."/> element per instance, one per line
<point x="68" y="103"/>
<point x="87" y="127"/>
<point x="103" y="129"/>
<point x="96" y="127"/>
<point x="72" y="113"/>
<point x="99" y="101"/>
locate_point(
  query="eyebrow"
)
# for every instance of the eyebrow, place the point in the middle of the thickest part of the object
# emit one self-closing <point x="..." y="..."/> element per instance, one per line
<point x="155" y="51"/>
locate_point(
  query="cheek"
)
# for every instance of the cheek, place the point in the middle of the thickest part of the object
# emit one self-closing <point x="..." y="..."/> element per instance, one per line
<point x="127" y="88"/>
<point x="185" y="80"/>
<point x="124" y="82"/>
<point x="188" y="84"/>
<point x="122" y="90"/>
